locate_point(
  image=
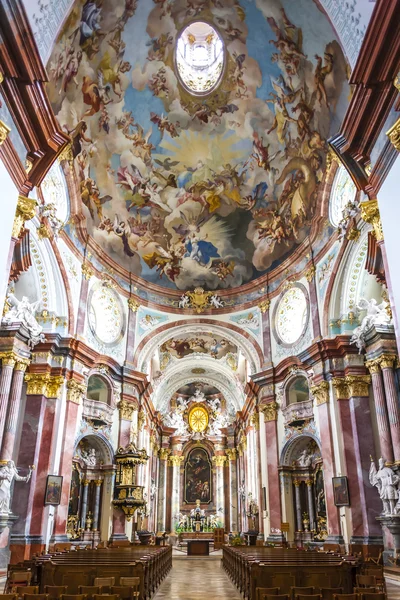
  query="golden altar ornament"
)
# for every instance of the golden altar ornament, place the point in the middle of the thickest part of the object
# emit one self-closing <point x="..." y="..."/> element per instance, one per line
<point x="198" y="419"/>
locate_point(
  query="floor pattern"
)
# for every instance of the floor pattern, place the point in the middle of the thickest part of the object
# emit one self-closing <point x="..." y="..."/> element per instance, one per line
<point x="197" y="579"/>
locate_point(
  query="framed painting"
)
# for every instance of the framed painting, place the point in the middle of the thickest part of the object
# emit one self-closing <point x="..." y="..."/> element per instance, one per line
<point x="198" y="480"/>
<point x="53" y="490"/>
<point x="341" y="491"/>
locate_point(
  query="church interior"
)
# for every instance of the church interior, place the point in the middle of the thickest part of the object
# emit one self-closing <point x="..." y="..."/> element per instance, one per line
<point x="200" y="299"/>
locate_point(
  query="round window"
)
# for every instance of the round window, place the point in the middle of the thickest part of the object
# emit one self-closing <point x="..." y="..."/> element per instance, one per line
<point x="291" y="315"/>
<point x="198" y="419"/>
<point x="343" y="193"/>
<point x="199" y="57"/>
<point x="106" y="317"/>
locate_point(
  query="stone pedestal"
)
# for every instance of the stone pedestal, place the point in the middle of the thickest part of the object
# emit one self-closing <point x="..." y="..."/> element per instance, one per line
<point x="392" y="523"/>
<point x="6" y="523"/>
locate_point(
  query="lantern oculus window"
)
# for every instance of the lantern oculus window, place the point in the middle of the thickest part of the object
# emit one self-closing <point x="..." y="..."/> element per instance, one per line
<point x="199" y="58"/>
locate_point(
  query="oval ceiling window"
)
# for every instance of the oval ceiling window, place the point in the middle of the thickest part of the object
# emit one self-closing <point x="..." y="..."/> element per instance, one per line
<point x="343" y="194"/>
<point x="106" y="317"/>
<point x="199" y="58"/>
<point x="291" y="315"/>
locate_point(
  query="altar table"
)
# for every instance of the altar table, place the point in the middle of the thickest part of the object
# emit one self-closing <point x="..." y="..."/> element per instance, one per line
<point x="199" y="547"/>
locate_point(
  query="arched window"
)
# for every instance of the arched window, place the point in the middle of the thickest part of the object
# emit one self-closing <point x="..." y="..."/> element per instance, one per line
<point x="298" y="391"/>
<point x="199" y="57"/>
<point x="106" y="316"/>
<point x="98" y="389"/>
<point x="343" y="192"/>
<point x="291" y="315"/>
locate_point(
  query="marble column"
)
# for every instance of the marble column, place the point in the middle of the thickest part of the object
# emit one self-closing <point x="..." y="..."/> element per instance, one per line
<point x="75" y="392"/>
<point x="87" y="273"/>
<point x="176" y="462"/>
<point x="162" y="490"/>
<point x="387" y="361"/>
<point x="312" y="289"/>
<point x="126" y="410"/>
<point x="118" y="525"/>
<point x="10" y="426"/>
<point x="7" y="368"/>
<point x="219" y="462"/>
<point x="321" y="395"/>
<point x="299" y="518"/>
<point x="96" y="509"/>
<point x="233" y="489"/>
<point x="270" y="411"/>
<point x="133" y="306"/>
<point x="85" y="492"/>
<point x="266" y="331"/>
<point x="310" y="503"/>
<point x="385" y="439"/>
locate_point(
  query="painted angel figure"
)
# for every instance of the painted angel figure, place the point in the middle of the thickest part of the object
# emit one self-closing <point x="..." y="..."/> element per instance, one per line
<point x="386" y="480"/>
<point x="23" y="311"/>
<point x="9" y="473"/>
<point x="216" y="302"/>
<point x="184" y="301"/>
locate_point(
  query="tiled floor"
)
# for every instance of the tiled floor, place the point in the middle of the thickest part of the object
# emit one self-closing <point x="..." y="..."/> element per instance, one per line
<point x="197" y="579"/>
<point x="393" y="590"/>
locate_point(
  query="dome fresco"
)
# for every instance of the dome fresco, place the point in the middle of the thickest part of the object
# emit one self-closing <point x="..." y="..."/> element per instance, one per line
<point x="187" y="190"/>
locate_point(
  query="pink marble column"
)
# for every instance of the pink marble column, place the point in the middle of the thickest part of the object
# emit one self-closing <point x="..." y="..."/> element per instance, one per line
<point x="7" y="369"/>
<point x="386" y="362"/>
<point x="328" y="458"/>
<point x="74" y="397"/>
<point x="131" y="329"/>
<point x="260" y="492"/>
<point x="314" y="303"/>
<point x="83" y="298"/>
<point x="266" y="331"/>
<point x="118" y="525"/>
<point x="274" y="492"/>
<point x="382" y="417"/>
<point x="13" y="410"/>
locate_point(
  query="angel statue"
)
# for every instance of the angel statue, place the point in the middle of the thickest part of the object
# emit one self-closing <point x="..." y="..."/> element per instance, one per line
<point x="9" y="473"/>
<point x="376" y="315"/>
<point x="386" y="480"/>
<point x="22" y="311"/>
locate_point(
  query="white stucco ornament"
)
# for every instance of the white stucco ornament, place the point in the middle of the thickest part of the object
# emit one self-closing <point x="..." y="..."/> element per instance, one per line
<point x="377" y="314"/>
<point x="9" y="473"/>
<point x="23" y="311"/>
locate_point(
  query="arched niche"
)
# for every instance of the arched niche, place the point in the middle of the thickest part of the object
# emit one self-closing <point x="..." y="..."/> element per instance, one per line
<point x="98" y="389"/>
<point x="197" y="482"/>
<point x="297" y="391"/>
<point x="295" y="398"/>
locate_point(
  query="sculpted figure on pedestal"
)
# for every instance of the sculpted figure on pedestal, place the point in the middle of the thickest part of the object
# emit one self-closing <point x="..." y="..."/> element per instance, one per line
<point x="9" y="472"/>
<point x="376" y="315"/>
<point x="386" y="480"/>
<point x="305" y="459"/>
<point x="22" y="311"/>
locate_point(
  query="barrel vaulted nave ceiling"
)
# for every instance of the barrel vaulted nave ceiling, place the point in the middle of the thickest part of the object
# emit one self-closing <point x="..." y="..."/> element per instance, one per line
<point x="210" y="189"/>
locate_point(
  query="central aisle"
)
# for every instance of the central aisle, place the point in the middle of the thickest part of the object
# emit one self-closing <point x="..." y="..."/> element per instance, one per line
<point x="197" y="579"/>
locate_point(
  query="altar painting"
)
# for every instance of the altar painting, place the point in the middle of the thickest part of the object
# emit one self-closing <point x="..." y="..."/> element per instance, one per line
<point x="197" y="477"/>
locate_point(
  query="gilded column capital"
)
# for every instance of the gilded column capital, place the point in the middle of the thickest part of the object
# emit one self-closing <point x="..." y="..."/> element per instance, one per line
<point x="26" y="210"/>
<point x="8" y="359"/>
<point x="176" y="460"/>
<point x="36" y="383"/>
<point x="66" y="154"/>
<point x="358" y="384"/>
<point x="54" y="386"/>
<point x="239" y="450"/>
<point x="264" y="305"/>
<point x="76" y="391"/>
<point x="126" y="410"/>
<point x="394" y="135"/>
<point x="86" y="482"/>
<point x="296" y="482"/>
<point x="4" y="131"/>
<point x="22" y="364"/>
<point x="164" y="453"/>
<point x="341" y="388"/>
<point x="270" y="411"/>
<point x="309" y="482"/>
<point x="370" y="214"/>
<point x="219" y="460"/>
<point x="141" y="419"/>
<point x="98" y="482"/>
<point x="255" y="420"/>
<point x="387" y="361"/>
<point x="231" y="453"/>
<point x="321" y="392"/>
<point x="373" y="366"/>
<point x="87" y="270"/>
<point x="133" y="304"/>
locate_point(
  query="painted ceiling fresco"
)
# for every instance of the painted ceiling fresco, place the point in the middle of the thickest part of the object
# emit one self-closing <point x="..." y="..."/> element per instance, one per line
<point x="208" y="343"/>
<point x="186" y="190"/>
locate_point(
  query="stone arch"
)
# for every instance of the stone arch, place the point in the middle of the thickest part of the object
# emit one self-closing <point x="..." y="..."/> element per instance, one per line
<point x="296" y="445"/>
<point x="99" y="443"/>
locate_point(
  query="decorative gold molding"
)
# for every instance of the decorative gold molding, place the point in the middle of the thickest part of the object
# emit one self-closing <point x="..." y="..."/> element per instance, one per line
<point x="4" y="131"/>
<point x="396" y="82"/>
<point x="310" y="273"/>
<point x="264" y="306"/>
<point x="353" y="234"/>
<point x="141" y="419"/>
<point x="219" y="460"/>
<point x="309" y="482"/>
<point x="330" y="158"/>
<point x="133" y="305"/>
<point x="231" y="453"/>
<point x="87" y="270"/>
<point x="387" y="361"/>
<point x="358" y="384"/>
<point x="97" y="482"/>
<point x="164" y="453"/>
<point x="126" y="410"/>
<point x="43" y="232"/>
<point x="76" y="391"/>
<point x="321" y="392"/>
<point x="54" y="386"/>
<point x="373" y="366"/>
<point x="370" y="214"/>
<point x="255" y="420"/>
<point x="26" y="210"/>
<point x="342" y="391"/>
<point x="176" y="461"/>
<point x="394" y="135"/>
<point x="22" y="364"/>
<point x="8" y="359"/>
<point x="296" y="482"/>
<point x="270" y="411"/>
<point x="66" y="154"/>
<point x="43" y="384"/>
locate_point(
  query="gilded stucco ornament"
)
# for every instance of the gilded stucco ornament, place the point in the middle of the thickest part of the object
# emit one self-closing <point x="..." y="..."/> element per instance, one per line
<point x="387" y="360"/>
<point x="255" y="420"/>
<point x="87" y="270"/>
<point x="310" y="273"/>
<point x="199" y="300"/>
<point x="43" y="384"/>
<point x="394" y="135"/>
<point x="231" y="453"/>
<point x="133" y="305"/>
<point x="66" y="154"/>
<point x="126" y="410"/>
<point x="26" y="210"/>
<point x="75" y="391"/>
<point x="219" y="461"/>
<point x="4" y="131"/>
<point x="141" y="419"/>
<point x="370" y="214"/>
<point x="164" y="453"/>
<point x="321" y="392"/>
<point x="351" y="386"/>
<point x="8" y="359"/>
<point x="342" y="391"/>
<point x="373" y="366"/>
<point x="176" y="460"/>
<point x="264" y="306"/>
<point x="270" y="411"/>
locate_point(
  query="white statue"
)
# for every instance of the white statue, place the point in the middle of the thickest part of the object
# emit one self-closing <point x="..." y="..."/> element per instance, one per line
<point x="217" y="423"/>
<point x="305" y="459"/>
<point x="176" y="421"/>
<point x="386" y="480"/>
<point x="216" y="301"/>
<point x="9" y="473"/>
<point x="252" y="507"/>
<point x="50" y="212"/>
<point x="198" y="396"/>
<point x="184" y="302"/>
<point x="89" y="457"/>
<point x="376" y="315"/>
<point x="23" y="311"/>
